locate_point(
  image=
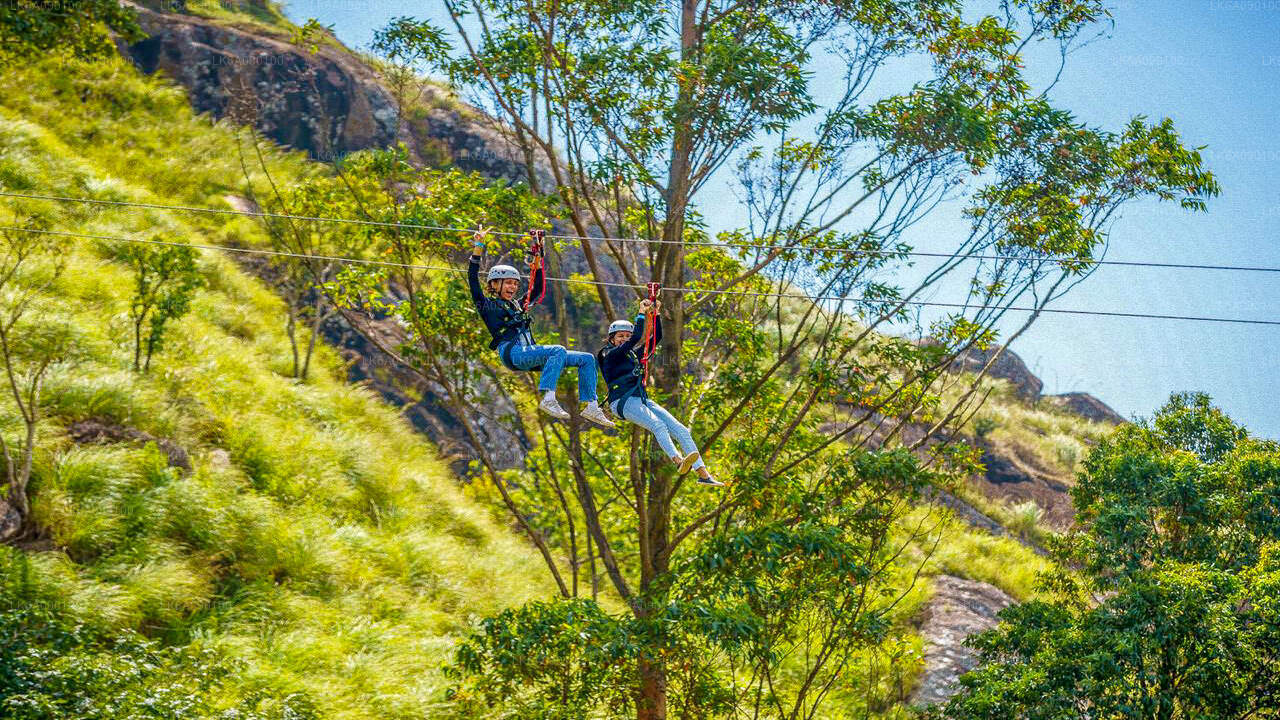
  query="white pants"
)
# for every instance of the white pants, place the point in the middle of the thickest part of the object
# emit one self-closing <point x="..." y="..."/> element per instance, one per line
<point x="652" y="417"/>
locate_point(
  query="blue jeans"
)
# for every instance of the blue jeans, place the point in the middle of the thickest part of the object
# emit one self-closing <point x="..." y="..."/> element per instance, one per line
<point x="551" y="359"/>
<point x="654" y="418"/>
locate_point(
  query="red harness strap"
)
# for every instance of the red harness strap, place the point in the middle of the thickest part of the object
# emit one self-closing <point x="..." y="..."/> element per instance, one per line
<point x="650" y="328"/>
<point x="536" y="263"/>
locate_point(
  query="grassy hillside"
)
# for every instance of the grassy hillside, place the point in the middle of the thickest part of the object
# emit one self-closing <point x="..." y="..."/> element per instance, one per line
<point x="316" y="538"/>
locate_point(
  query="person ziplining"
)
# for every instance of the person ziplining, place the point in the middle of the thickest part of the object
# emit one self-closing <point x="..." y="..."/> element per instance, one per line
<point x="509" y="325"/>
<point x="626" y="372"/>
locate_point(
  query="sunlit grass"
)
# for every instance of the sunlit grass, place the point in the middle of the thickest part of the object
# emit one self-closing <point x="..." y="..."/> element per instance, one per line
<point x="317" y="537"/>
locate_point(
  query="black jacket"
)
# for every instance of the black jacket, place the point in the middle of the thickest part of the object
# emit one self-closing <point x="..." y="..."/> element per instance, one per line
<point x="504" y="319"/>
<point x="621" y="366"/>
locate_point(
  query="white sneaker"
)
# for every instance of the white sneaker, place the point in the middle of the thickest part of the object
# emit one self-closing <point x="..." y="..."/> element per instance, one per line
<point x="551" y="406"/>
<point x="593" y="413"/>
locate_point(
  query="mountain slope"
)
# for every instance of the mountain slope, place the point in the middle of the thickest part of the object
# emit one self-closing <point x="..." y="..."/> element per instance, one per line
<point x="315" y="536"/>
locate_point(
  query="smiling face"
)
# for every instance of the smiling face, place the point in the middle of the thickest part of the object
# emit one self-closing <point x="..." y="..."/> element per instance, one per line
<point x="620" y="337"/>
<point x="505" y="289"/>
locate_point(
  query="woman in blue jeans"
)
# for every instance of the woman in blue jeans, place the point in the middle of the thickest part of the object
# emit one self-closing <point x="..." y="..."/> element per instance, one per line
<point x="508" y="324"/>
<point x="627" y="397"/>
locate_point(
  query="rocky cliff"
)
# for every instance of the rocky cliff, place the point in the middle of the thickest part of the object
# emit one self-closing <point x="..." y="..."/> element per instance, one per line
<point x="328" y="103"/>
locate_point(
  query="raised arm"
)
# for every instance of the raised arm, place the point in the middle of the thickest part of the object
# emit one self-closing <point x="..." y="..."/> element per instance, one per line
<point x="473" y="268"/>
<point x="630" y="342"/>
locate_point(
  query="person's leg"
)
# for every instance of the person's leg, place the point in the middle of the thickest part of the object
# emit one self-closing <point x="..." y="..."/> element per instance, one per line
<point x="586" y="364"/>
<point x="676" y="428"/>
<point x="636" y="412"/>
<point x="550" y="358"/>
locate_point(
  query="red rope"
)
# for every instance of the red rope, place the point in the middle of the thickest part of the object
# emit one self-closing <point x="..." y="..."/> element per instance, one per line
<point x="650" y="328"/>
<point x="536" y="244"/>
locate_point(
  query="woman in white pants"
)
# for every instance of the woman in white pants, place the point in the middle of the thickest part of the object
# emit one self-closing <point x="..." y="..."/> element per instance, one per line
<point x="624" y="373"/>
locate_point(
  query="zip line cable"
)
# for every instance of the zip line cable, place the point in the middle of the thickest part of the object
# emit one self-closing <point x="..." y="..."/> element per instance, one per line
<point x="754" y="246"/>
<point x="812" y="298"/>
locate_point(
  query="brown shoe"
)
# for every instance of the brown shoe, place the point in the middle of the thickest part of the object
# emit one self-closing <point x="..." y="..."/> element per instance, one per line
<point x="687" y="463"/>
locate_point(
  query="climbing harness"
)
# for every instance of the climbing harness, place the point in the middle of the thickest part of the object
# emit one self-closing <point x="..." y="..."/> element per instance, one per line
<point x="521" y="320"/>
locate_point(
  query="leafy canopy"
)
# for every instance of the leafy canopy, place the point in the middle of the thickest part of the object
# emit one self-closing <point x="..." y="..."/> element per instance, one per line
<point x="1177" y="614"/>
<point x="80" y="28"/>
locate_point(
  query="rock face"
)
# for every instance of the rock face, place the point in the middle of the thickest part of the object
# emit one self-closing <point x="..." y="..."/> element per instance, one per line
<point x="1087" y="407"/>
<point x="327" y="103"/>
<point x="959" y="608"/>
<point x="469" y="140"/>
<point x="1016" y="475"/>
<point x="98" y="431"/>
<point x="10" y="521"/>
<point x="1007" y="367"/>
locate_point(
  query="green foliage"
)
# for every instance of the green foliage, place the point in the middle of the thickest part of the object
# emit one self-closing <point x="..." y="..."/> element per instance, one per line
<point x="983" y="426"/>
<point x="53" y="668"/>
<point x="80" y="28"/>
<point x="1188" y="487"/>
<point x="1176" y="614"/>
<point x="546" y="660"/>
<point x="165" y="279"/>
<point x="750" y="603"/>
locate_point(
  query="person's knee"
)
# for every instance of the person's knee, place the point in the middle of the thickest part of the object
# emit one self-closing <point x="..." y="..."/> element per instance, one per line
<point x="557" y="351"/>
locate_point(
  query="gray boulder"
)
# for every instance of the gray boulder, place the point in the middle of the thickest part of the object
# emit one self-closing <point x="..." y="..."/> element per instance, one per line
<point x="1087" y="407"/>
<point x="959" y="608"/>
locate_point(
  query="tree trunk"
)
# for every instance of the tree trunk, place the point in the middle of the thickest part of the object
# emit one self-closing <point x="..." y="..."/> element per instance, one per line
<point x="670" y="255"/>
<point x="291" y="329"/>
<point x="651" y="703"/>
<point x="651" y="700"/>
<point x="137" y="343"/>
<point x="321" y="316"/>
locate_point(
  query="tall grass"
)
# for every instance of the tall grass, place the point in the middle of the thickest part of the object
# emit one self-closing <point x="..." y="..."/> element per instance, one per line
<point x="316" y="538"/>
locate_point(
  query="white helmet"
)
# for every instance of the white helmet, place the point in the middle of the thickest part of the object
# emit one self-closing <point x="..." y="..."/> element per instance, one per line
<point x="621" y="326"/>
<point x="503" y="272"/>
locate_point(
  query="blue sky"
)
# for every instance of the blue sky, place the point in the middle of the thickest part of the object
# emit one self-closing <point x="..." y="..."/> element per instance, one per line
<point x="1214" y="67"/>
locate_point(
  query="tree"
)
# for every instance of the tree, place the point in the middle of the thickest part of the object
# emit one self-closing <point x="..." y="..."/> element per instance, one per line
<point x="165" y="280"/>
<point x="632" y="109"/>
<point x="306" y="265"/>
<point x="31" y="343"/>
<point x="81" y="28"/>
<point x="1177" y="611"/>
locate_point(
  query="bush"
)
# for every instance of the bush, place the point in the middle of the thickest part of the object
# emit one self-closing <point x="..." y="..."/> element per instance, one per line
<point x="52" y="669"/>
<point x="984" y="425"/>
